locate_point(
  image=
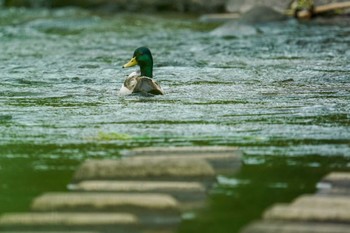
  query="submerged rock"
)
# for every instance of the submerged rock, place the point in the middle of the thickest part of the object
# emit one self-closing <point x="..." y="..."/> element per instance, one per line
<point x="262" y="14"/>
<point x="234" y="29"/>
<point x="246" y="5"/>
<point x="246" y="25"/>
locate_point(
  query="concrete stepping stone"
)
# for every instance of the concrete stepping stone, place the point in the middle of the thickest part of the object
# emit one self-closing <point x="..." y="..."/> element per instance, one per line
<point x="334" y="191"/>
<point x="145" y="169"/>
<point x="313" y="208"/>
<point x="159" y="209"/>
<point x="222" y="158"/>
<point x="336" y="183"/>
<point x="323" y="202"/>
<point x="102" y="201"/>
<point x="295" y="227"/>
<point x="91" y="222"/>
<point x="188" y="194"/>
<point x="181" y="150"/>
<point x="300" y="213"/>
<point x="338" y="178"/>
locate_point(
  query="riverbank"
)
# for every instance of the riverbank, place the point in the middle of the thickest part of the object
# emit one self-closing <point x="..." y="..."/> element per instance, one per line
<point x="183" y="6"/>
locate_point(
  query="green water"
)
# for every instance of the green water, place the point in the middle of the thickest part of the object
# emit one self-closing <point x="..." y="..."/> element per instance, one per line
<point x="282" y="96"/>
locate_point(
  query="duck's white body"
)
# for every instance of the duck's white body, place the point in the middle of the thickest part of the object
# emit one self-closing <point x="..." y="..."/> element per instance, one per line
<point x="135" y="83"/>
<point x="124" y="90"/>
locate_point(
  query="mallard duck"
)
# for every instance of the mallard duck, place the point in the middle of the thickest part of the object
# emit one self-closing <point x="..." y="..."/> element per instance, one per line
<point x="141" y="82"/>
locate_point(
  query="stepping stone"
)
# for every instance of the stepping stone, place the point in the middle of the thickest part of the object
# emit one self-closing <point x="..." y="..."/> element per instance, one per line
<point x="149" y="208"/>
<point x="300" y="213"/>
<point x="148" y="169"/>
<point x="184" y="150"/>
<point x="334" y="191"/>
<point x="108" y="222"/>
<point x="341" y="177"/>
<point x="139" y="186"/>
<point x="189" y="194"/>
<point x="222" y="158"/>
<point x="295" y="227"/>
<point x="323" y="202"/>
<point x="335" y="183"/>
<point x="103" y="201"/>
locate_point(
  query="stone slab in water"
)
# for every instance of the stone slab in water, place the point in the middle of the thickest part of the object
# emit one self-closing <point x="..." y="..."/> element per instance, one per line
<point x="323" y="202"/>
<point x="188" y="192"/>
<point x="161" y="209"/>
<point x="336" y="183"/>
<point x="184" y="150"/>
<point x="139" y="186"/>
<point x="300" y="213"/>
<point x="108" y="222"/>
<point x="221" y="163"/>
<point x="249" y="23"/>
<point x="149" y="169"/>
<point x="334" y="191"/>
<point x="336" y="180"/>
<point x="222" y="158"/>
<point x="103" y="201"/>
<point x="295" y="227"/>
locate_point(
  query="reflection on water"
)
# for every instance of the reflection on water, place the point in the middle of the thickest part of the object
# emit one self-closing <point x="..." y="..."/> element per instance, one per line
<point x="282" y="95"/>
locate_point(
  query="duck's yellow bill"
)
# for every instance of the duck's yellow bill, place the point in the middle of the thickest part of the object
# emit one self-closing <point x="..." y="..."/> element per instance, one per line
<point x="132" y="62"/>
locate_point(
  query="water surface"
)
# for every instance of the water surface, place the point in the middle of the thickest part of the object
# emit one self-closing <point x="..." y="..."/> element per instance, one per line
<point x="282" y="95"/>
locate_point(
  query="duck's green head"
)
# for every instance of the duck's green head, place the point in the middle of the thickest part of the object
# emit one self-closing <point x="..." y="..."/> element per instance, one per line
<point x="142" y="57"/>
